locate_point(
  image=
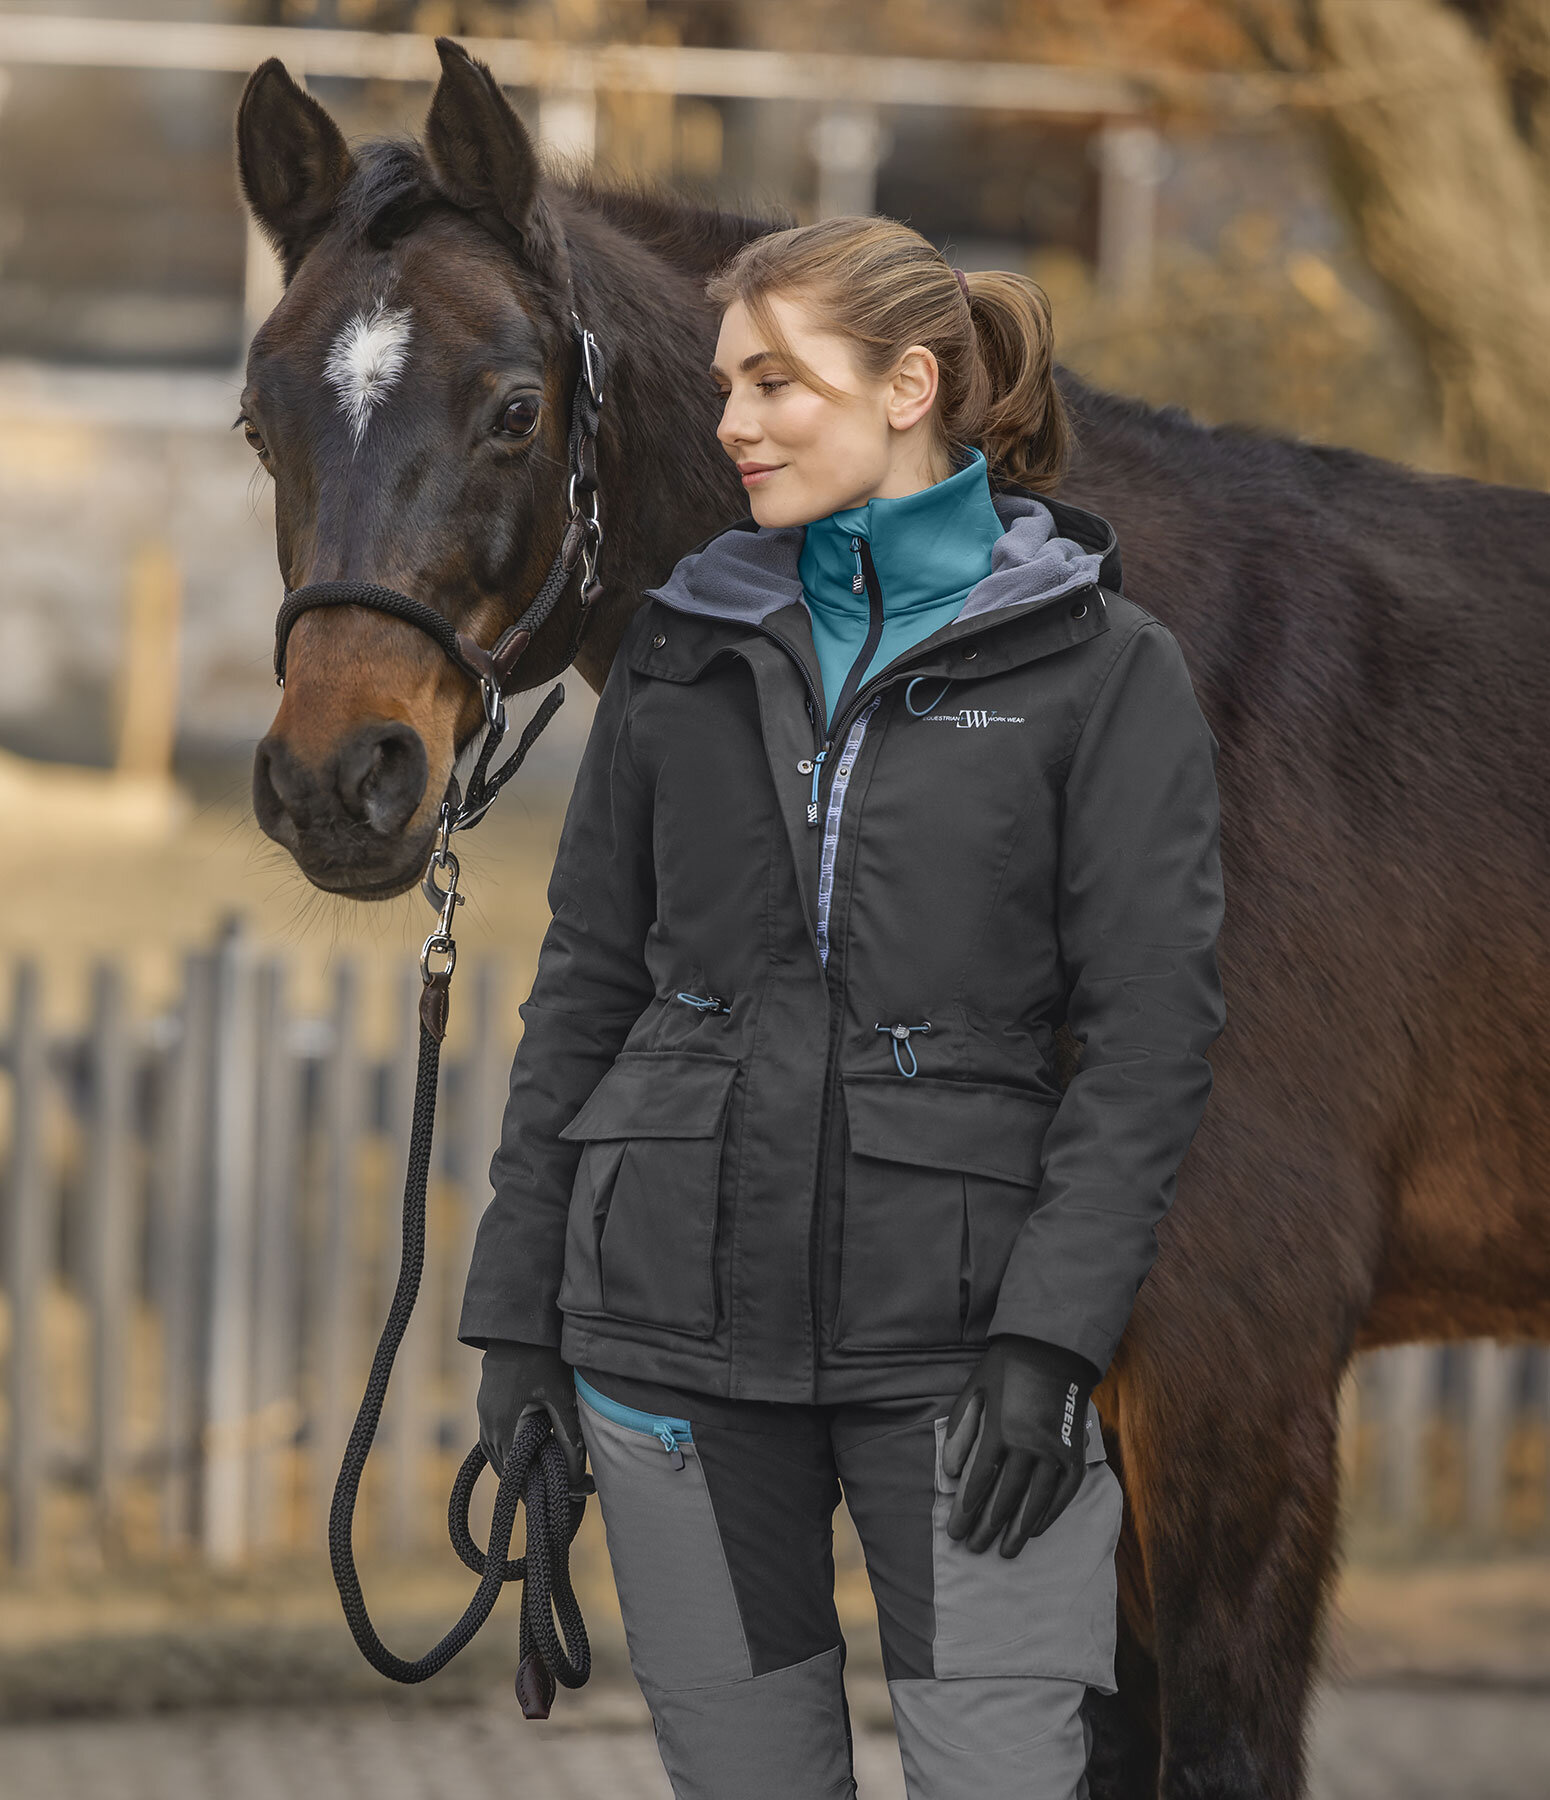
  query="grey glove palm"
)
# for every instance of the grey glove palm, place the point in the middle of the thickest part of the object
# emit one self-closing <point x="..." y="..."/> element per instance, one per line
<point x="1016" y="1439"/>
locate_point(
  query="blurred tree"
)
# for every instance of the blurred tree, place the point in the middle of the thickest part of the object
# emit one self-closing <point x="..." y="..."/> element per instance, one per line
<point x="1439" y="114"/>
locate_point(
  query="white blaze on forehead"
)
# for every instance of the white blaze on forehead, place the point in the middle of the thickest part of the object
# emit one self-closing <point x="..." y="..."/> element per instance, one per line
<point x="366" y="361"/>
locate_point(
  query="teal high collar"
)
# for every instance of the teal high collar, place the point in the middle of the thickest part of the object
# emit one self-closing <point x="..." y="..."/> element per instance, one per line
<point x="928" y="548"/>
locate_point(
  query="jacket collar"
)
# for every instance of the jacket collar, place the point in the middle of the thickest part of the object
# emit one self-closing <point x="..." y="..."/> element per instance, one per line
<point x="929" y="548"/>
<point x="1049" y="548"/>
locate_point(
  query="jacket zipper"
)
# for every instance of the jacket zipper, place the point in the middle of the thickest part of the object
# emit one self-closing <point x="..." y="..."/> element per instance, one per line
<point x="671" y="1433"/>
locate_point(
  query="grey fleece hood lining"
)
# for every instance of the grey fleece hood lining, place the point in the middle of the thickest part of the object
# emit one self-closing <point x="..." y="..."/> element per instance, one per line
<point x="746" y="575"/>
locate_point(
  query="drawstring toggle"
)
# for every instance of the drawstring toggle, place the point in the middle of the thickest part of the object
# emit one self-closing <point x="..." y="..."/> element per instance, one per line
<point x="901" y="1038"/>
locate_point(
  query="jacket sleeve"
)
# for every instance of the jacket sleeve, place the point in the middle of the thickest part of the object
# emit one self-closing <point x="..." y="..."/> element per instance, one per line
<point x="1139" y="905"/>
<point x="590" y="986"/>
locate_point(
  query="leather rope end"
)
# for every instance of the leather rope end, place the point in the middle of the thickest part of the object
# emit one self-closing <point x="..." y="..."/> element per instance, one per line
<point x="436" y="1003"/>
<point x="535" y="1686"/>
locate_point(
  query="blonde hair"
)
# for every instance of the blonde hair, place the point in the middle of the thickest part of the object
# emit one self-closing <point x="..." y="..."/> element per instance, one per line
<point x="883" y="286"/>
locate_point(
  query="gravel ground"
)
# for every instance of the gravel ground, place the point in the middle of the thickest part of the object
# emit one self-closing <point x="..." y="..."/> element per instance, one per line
<point x="1369" y="1744"/>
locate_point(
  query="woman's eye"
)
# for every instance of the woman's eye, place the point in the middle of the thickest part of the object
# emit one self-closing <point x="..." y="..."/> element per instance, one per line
<point x="520" y="417"/>
<point x="772" y="384"/>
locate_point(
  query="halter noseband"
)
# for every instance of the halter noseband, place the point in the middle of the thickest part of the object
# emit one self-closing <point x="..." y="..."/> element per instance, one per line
<point x="492" y="669"/>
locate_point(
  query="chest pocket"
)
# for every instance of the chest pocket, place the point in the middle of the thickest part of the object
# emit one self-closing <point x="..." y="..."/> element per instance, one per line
<point x="641" y="1231"/>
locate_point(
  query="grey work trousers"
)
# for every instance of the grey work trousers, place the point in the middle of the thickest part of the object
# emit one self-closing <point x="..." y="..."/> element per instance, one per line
<point x="719" y="1519"/>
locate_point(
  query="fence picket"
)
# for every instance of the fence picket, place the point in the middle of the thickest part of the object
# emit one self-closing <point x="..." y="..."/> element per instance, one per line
<point x="1410" y="1392"/>
<point x="276" y="1315"/>
<point x="228" y="1387"/>
<point x="29" y="1221"/>
<point x="108" y="1249"/>
<point x="178" y="1241"/>
<point x="336" y="1296"/>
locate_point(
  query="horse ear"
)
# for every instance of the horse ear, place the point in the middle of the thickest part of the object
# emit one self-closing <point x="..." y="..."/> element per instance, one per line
<point x="481" y="152"/>
<point x="292" y="161"/>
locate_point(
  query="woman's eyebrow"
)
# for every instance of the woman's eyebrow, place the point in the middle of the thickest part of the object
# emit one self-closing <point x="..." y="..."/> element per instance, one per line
<point x="748" y="363"/>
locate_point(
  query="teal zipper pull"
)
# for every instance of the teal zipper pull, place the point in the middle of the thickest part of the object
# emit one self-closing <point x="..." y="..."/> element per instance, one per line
<point x="670" y="1443"/>
<point x="812" y="804"/>
<point x="858" y="580"/>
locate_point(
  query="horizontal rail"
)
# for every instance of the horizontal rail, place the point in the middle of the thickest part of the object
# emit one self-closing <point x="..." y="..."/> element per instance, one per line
<point x="821" y="76"/>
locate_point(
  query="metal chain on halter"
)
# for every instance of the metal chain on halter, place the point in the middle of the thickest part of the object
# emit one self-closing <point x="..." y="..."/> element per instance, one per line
<point x="535" y="1470"/>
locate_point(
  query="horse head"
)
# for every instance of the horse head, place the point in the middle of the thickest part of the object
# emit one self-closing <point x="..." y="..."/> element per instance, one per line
<point x="409" y="396"/>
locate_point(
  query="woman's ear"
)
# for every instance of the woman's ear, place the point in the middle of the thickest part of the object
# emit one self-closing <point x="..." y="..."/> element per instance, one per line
<point x="913" y="388"/>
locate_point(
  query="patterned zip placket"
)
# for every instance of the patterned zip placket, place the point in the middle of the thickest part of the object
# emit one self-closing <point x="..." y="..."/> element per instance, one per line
<point x="831" y="824"/>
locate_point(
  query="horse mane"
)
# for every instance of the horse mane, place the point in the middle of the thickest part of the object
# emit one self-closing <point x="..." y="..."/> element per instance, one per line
<point x="691" y="234"/>
<point x="394" y="186"/>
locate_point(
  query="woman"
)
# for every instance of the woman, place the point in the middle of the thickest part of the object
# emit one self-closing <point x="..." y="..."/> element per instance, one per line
<point x="886" y="782"/>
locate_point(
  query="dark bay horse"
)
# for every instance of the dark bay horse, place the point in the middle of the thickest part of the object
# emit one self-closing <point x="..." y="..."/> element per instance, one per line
<point x="1368" y="643"/>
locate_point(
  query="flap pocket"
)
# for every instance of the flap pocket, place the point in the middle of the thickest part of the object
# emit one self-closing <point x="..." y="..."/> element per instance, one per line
<point x="978" y="1127"/>
<point x="657" y="1094"/>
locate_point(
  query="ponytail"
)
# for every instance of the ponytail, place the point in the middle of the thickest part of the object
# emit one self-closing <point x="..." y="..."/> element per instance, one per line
<point x="1025" y="430"/>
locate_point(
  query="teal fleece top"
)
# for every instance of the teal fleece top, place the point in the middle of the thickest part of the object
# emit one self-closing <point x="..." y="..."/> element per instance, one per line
<point x="928" y="549"/>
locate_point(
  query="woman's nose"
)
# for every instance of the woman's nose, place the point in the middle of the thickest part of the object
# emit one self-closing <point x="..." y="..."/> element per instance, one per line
<point x="734" y="430"/>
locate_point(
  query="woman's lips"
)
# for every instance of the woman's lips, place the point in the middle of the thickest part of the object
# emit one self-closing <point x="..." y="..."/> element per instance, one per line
<point x="752" y="477"/>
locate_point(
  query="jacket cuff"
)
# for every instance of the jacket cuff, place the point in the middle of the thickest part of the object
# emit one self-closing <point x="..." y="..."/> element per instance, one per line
<point x="482" y="1325"/>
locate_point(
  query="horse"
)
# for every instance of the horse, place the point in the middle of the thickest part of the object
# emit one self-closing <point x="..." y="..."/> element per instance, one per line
<point x="1366" y="641"/>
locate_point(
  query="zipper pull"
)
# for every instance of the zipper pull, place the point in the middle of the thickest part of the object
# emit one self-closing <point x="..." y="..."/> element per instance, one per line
<point x="858" y="580"/>
<point x="706" y="1003"/>
<point x="670" y="1443"/>
<point x="812" y="804"/>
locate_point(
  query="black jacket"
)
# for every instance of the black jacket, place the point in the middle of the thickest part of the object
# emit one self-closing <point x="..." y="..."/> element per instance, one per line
<point x="717" y="1167"/>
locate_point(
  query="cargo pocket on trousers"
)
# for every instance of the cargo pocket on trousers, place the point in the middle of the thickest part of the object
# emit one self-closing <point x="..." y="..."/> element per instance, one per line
<point x="940" y="1177"/>
<point x="1049" y="1610"/>
<point x="641" y="1232"/>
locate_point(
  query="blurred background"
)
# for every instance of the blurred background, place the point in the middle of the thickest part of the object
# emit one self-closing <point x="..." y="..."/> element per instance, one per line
<point x="1327" y="218"/>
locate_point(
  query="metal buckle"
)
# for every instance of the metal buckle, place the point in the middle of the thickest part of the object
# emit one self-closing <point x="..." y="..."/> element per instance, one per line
<point x="588" y="345"/>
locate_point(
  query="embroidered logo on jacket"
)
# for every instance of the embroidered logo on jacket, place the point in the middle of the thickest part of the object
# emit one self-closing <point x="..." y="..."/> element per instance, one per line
<point x="967" y="717"/>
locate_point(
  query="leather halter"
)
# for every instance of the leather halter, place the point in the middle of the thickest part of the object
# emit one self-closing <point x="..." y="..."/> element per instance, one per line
<point x="492" y="669"/>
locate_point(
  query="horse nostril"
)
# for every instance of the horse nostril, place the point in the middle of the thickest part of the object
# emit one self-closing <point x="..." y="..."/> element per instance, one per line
<point x="280" y="789"/>
<point x="382" y="775"/>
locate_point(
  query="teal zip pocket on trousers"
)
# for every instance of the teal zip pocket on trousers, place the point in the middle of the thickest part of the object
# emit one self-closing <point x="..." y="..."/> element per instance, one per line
<point x="673" y="1434"/>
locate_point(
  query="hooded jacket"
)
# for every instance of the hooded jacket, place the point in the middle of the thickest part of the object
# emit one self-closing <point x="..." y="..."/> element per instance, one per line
<point x="784" y="1122"/>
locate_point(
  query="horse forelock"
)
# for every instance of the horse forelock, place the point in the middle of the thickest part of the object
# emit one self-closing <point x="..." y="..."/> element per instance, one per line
<point x="392" y="183"/>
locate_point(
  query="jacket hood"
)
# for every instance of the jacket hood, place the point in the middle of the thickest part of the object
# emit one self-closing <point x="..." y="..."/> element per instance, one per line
<point x="1048" y="548"/>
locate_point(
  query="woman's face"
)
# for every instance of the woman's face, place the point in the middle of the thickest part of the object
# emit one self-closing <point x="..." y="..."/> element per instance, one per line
<point x="803" y="455"/>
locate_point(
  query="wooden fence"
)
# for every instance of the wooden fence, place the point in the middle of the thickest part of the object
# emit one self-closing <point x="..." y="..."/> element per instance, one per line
<point x="199" y="1232"/>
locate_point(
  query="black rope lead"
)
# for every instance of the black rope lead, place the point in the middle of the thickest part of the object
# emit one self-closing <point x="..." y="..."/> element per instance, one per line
<point x="535" y="1474"/>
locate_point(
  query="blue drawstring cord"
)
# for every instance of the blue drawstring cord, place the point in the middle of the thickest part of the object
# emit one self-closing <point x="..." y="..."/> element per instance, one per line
<point x="920" y="711"/>
<point x="712" y="1003"/>
<point x="901" y="1035"/>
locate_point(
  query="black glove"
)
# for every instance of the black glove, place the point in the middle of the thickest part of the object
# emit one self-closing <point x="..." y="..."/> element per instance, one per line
<point x="519" y="1379"/>
<point x="1016" y="1437"/>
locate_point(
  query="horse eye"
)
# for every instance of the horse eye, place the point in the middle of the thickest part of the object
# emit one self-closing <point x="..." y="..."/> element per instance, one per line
<point x="520" y="417"/>
<point x="251" y="433"/>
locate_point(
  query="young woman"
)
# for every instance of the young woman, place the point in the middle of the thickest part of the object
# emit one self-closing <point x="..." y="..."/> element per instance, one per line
<point x="886" y="782"/>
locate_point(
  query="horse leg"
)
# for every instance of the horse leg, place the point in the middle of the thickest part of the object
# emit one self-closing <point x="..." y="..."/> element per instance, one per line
<point x="1122" y="1761"/>
<point x="1234" y="1479"/>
